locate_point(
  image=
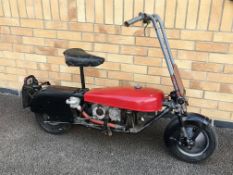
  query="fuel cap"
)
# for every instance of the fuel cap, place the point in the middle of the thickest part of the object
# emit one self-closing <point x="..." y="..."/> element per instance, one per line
<point x="137" y="86"/>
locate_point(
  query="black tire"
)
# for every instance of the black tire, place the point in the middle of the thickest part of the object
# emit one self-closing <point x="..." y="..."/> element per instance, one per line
<point x="205" y="141"/>
<point x="49" y="127"/>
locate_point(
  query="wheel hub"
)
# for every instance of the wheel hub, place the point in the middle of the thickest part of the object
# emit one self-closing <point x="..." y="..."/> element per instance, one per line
<point x="196" y="143"/>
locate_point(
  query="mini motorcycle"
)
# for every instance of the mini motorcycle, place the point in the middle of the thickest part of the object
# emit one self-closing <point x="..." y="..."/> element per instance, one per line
<point x="189" y="136"/>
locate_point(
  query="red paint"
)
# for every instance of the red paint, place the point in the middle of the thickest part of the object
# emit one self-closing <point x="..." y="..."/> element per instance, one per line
<point x="144" y="99"/>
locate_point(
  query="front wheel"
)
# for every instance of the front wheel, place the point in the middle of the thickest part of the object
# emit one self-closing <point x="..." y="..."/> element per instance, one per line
<point x="52" y="128"/>
<point x="199" y="144"/>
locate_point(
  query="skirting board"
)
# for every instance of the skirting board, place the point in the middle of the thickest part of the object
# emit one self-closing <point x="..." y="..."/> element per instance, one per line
<point x="217" y="123"/>
<point x="9" y="91"/>
<point x="223" y="124"/>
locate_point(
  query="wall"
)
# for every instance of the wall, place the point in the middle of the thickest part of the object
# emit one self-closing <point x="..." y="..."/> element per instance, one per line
<point x="34" y="33"/>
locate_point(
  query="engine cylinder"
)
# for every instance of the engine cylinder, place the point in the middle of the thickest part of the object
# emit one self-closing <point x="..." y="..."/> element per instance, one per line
<point x="114" y="114"/>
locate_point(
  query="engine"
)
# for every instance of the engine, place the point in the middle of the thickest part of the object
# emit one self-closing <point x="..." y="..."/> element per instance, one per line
<point x="105" y="112"/>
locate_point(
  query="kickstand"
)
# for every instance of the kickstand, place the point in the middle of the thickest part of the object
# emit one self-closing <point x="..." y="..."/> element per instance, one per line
<point x="108" y="131"/>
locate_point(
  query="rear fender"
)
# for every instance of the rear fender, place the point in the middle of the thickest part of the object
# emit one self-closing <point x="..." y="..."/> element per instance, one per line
<point x="51" y="100"/>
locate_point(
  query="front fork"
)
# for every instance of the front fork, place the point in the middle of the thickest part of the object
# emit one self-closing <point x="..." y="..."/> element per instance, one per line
<point x="187" y="141"/>
<point x="182" y="125"/>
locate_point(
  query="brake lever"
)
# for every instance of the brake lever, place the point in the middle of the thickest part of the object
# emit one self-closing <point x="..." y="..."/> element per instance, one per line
<point x="145" y="27"/>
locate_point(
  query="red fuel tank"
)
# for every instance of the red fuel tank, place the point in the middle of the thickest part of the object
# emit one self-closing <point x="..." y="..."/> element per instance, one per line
<point x="137" y="99"/>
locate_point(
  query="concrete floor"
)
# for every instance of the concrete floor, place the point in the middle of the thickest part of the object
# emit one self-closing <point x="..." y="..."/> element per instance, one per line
<point x="26" y="149"/>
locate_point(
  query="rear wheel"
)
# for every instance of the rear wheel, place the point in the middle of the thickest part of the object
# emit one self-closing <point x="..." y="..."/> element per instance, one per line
<point x="51" y="127"/>
<point x="199" y="145"/>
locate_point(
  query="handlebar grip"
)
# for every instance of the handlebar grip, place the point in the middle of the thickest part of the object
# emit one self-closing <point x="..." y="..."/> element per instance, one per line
<point x="134" y="20"/>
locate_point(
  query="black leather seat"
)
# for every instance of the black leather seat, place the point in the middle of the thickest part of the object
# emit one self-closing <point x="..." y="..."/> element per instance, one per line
<point x="78" y="57"/>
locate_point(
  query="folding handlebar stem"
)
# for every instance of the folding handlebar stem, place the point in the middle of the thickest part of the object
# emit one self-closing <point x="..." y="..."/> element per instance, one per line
<point x="164" y="44"/>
